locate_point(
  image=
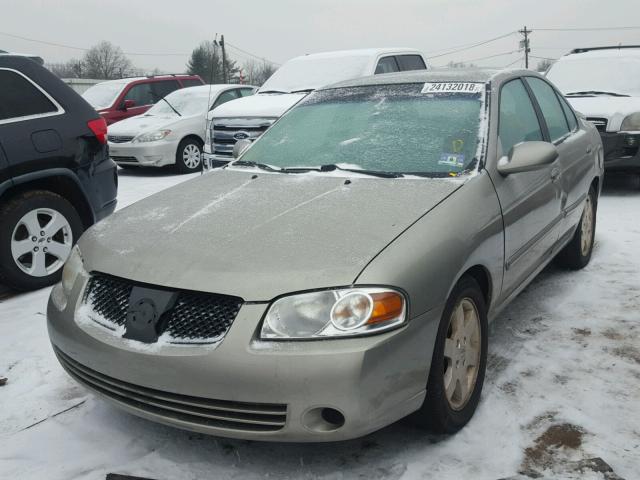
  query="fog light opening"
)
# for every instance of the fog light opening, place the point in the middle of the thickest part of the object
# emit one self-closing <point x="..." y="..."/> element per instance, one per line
<point x="323" y="419"/>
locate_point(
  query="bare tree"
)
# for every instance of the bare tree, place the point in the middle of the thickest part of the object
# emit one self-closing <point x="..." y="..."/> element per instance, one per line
<point x="543" y="65"/>
<point x="106" y="61"/>
<point x="73" y="68"/>
<point x="256" y="73"/>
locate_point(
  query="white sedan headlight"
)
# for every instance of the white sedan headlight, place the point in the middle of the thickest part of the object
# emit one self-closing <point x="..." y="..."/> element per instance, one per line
<point x="334" y="313"/>
<point x="631" y="123"/>
<point x="151" y="136"/>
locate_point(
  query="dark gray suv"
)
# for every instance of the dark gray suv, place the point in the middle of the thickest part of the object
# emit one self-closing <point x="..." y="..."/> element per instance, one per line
<point x="56" y="178"/>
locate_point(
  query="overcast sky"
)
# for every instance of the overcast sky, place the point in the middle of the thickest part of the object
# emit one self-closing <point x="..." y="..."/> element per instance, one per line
<point x="281" y="29"/>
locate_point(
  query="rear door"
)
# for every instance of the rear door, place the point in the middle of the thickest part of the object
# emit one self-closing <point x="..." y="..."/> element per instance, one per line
<point x="530" y="201"/>
<point x="5" y="175"/>
<point x="573" y="166"/>
<point x="28" y="137"/>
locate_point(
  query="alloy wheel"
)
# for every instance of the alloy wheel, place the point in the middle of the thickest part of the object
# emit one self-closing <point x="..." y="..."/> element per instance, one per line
<point x="462" y="349"/>
<point x="586" y="234"/>
<point x="41" y="242"/>
<point x="191" y="155"/>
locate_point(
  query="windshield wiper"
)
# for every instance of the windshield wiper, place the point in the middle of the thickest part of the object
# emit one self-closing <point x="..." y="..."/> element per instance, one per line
<point x="595" y="92"/>
<point x="262" y="166"/>
<point x="332" y="167"/>
<point x="271" y="91"/>
<point x="171" y="106"/>
<point x="303" y="90"/>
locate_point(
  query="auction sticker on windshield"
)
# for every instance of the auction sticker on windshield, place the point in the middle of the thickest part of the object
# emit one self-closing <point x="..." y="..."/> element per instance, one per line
<point x="452" y="87"/>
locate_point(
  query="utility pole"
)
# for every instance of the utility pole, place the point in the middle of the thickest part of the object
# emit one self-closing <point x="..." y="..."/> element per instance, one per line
<point x="525" y="44"/>
<point x="224" y="60"/>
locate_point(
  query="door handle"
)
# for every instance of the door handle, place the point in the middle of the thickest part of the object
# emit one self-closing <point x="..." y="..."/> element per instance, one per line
<point x="589" y="150"/>
<point x="555" y="174"/>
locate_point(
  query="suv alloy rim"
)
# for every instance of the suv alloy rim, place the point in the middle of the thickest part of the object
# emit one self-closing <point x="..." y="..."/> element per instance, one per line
<point x="587" y="227"/>
<point x="41" y="242"/>
<point x="191" y="155"/>
<point x="462" y="353"/>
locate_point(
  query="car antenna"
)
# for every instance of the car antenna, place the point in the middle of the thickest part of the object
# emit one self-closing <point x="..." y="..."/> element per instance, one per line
<point x="206" y="113"/>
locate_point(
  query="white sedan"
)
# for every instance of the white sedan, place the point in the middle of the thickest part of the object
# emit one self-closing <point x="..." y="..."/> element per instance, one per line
<point x="172" y="131"/>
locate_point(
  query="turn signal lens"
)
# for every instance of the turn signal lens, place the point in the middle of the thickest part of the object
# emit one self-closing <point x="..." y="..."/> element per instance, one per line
<point x="386" y="306"/>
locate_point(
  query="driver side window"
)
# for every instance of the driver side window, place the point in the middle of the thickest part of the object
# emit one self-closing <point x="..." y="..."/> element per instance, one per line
<point x="518" y="120"/>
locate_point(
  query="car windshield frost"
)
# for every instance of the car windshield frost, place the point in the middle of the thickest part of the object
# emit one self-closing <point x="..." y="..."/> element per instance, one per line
<point x="102" y="95"/>
<point x="185" y="102"/>
<point x="389" y="128"/>
<point x="617" y="75"/>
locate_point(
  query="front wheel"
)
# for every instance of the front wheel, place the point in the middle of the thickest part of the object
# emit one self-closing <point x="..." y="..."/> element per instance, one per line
<point x="577" y="253"/>
<point x="189" y="156"/>
<point x="459" y="361"/>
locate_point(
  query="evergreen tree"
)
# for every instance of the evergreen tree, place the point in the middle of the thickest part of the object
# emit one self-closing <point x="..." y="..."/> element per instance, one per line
<point x="206" y="61"/>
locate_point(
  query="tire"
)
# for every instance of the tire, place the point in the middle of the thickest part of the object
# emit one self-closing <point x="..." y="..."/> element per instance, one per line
<point x="189" y="155"/>
<point x="577" y="253"/>
<point x="443" y="413"/>
<point x="27" y="217"/>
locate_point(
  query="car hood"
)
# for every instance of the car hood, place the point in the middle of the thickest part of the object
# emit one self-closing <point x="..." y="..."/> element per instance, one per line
<point x="142" y="123"/>
<point x="614" y="109"/>
<point x="259" y="235"/>
<point x="260" y="105"/>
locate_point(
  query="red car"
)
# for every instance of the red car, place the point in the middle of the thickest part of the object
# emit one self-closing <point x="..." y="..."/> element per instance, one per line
<point x="116" y="100"/>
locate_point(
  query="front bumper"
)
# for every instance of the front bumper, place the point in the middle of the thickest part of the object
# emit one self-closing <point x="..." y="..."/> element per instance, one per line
<point x="211" y="161"/>
<point x="245" y="388"/>
<point x="145" y="154"/>
<point x="621" y="152"/>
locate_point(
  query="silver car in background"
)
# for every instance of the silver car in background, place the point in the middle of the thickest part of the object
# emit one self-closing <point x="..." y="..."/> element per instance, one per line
<point x="339" y="275"/>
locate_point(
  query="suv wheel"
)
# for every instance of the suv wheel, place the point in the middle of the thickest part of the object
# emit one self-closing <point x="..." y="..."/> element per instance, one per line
<point x="189" y="156"/>
<point x="38" y="230"/>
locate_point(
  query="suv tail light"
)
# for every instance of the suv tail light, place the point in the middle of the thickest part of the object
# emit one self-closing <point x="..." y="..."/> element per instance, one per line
<point x="99" y="128"/>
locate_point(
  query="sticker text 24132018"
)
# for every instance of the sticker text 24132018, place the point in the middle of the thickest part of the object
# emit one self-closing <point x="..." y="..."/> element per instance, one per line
<point x="452" y="87"/>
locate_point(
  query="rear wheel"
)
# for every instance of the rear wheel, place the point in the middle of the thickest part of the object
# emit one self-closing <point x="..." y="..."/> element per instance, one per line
<point x="577" y="253"/>
<point x="189" y="155"/>
<point x="37" y="232"/>
<point x="459" y="361"/>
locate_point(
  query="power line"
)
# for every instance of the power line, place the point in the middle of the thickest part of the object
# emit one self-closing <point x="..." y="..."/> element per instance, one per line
<point x="474" y="45"/>
<point x="251" y="54"/>
<point x="585" y="29"/>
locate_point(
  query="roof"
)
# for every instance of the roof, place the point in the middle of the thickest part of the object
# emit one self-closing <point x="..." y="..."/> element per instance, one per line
<point x="148" y="77"/>
<point x="215" y="87"/>
<point x="362" y="52"/>
<point x="604" y="52"/>
<point x="422" y="76"/>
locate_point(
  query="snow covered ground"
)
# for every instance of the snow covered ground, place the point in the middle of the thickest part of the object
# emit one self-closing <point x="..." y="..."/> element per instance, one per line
<point x="563" y="385"/>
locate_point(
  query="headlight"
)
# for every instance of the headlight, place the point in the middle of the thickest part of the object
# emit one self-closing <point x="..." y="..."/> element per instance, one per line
<point x="334" y="313"/>
<point x="151" y="136"/>
<point x="631" y="123"/>
<point x="72" y="268"/>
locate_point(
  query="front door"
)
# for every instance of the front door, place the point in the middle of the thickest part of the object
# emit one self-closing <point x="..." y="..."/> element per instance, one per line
<point x="530" y="201"/>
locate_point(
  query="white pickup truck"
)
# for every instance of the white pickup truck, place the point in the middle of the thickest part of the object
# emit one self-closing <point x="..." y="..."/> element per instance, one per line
<point x="249" y="117"/>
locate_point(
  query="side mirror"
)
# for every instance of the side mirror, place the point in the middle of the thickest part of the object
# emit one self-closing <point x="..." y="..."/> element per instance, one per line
<point x="127" y="104"/>
<point x="527" y="157"/>
<point x="240" y="147"/>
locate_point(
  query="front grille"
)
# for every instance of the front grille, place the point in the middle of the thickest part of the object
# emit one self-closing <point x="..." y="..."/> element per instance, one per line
<point x="206" y="412"/>
<point x="196" y="317"/>
<point x="124" y="159"/>
<point x="223" y="135"/>
<point x="599" y="123"/>
<point x="119" y="138"/>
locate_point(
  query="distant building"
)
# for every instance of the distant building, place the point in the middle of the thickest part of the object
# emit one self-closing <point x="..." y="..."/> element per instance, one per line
<point x="81" y="85"/>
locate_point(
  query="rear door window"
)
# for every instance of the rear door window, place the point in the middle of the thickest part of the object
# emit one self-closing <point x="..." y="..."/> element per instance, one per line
<point x="410" y="62"/>
<point x="550" y="106"/>
<point x="163" y="88"/>
<point x="225" y="97"/>
<point x="21" y="98"/>
<point x="387" y="65"/>
<point x="518" y="121"/>
<point x="141" y="94"/>
<point x="571" y="117"/>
